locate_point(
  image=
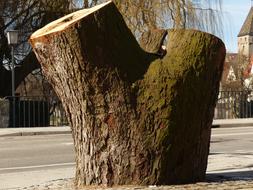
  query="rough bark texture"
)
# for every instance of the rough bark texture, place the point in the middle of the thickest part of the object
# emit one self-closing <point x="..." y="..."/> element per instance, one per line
<point x="135" y="118"/>
<point x="152" y="40"/>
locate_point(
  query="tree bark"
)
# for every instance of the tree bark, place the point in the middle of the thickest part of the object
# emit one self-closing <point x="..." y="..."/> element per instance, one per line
<point x="152" y="40"/>
<point x="135" y="118"/>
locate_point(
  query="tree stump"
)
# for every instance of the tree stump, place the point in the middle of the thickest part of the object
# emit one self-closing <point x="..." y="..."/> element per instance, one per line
<point x="136" y="118"/>
<point x="152" y="41"/>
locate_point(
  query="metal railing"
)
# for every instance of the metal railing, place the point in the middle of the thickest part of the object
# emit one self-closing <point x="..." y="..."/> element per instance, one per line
<point x="36" y="112"/>
<point x="234" y="104"/>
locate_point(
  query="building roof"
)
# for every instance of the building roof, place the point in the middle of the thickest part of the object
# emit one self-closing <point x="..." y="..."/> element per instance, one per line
<point x="247" y="27"/>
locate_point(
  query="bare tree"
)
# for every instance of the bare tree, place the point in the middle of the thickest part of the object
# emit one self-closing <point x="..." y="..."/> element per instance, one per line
<point x="141" y="16"/>
<point x="25" y="16"/>
<point x="144" y="15"/>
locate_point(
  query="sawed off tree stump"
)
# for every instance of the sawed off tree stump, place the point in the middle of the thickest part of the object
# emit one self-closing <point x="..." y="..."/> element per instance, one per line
<point x="136" y="118"/>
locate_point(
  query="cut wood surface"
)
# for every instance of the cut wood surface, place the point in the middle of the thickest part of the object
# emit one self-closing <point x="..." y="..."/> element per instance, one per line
<point x="136" y="118"/>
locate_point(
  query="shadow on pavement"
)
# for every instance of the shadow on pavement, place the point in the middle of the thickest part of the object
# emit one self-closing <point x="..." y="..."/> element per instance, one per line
<point x="232" y="153"/>
<point x="229" y="176"/>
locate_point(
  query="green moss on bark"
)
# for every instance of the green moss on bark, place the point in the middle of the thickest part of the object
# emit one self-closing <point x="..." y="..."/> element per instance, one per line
<point x="136" y="118"/>
<point x="179" y="92"/>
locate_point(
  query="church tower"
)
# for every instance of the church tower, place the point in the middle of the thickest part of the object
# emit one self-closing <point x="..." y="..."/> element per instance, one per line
<point x="245" y="36"/>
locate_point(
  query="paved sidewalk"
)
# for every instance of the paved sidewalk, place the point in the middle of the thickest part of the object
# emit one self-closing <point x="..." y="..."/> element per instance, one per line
<point x="220" y="174"/>
<point x="68" y="184"/>
<point x="66" y="129"/>
<point x="25" y="179"/>
<point x="5" y="132"/>
<point x="233" y="122"/>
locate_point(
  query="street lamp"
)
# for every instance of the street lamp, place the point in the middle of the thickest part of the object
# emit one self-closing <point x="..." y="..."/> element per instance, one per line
<point x="12" y="36"/>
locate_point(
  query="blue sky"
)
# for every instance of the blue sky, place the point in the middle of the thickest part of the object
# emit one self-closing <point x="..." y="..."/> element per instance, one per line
<point x="234" y="14"/>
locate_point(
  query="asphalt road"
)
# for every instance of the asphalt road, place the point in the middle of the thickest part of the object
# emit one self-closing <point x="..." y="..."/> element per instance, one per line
<point x="35" y="152"/>
<point x="42" y="151"/>
<point x="49" y="157"/>
<point x="231" y="153"/>
<point x="31" y="160"/>
<point x="231" y="140"/>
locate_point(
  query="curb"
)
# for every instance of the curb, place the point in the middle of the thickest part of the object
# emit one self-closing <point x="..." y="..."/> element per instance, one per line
<point x="228" y="123"/>
<point x="232" y="125"/>
<point x="216" y="124"/>
<point x="33" y="133"/>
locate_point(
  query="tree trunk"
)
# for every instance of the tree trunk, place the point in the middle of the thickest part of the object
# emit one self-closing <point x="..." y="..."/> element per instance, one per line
<point x="135" y="118"/>
<point x="152" y="40"/>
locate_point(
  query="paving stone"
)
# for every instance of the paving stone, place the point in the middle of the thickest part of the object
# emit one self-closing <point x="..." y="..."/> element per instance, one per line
<point x="68" y="184"/>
